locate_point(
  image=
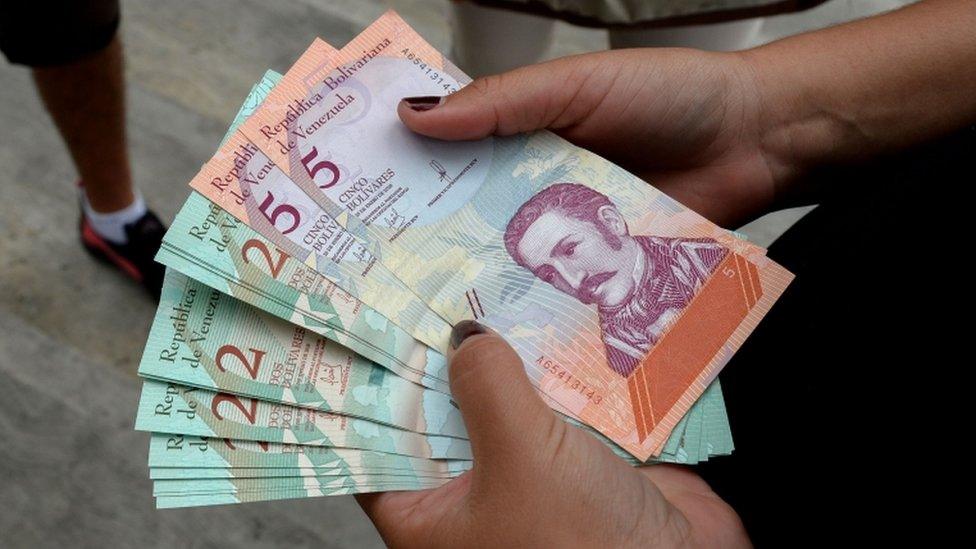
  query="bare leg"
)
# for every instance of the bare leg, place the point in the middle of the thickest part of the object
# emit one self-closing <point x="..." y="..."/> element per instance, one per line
<point x="86" y="99"/>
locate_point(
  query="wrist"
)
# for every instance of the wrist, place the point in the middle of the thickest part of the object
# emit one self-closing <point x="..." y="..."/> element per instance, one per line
<point x="865" y="88"/>
<point x="797" y="126"/>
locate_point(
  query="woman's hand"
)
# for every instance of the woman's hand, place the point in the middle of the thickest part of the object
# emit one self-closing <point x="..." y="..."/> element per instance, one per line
<point x="538" y="481"/>
<point x="728" y="134"/>
<point x="686" y="121"/>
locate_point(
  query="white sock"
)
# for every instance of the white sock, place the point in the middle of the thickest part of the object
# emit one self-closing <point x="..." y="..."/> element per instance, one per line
<point x="111" y="225"/>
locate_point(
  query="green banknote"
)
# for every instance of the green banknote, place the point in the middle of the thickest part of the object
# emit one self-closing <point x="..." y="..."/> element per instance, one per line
<point x="189" y="473"/>
<point x="716" y="436"/>
<point x="172" y="451"/>
<point x="172" y="408"/>
<point x="675" y="450"/>
<point x="218" y="250"/>
<point x="439" y="214"/>
<point x="434" y="377"/>
<point x="285" y="484"/>
<point x="343" y="486"/>
<point x="204" y="338"/>
<point x="254" y="191"/>
<point x="254" y="98"/>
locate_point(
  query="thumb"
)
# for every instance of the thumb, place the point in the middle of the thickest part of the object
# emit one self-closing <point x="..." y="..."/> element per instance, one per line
<point x="548" y="95"/>
<point x="504" y="415"/>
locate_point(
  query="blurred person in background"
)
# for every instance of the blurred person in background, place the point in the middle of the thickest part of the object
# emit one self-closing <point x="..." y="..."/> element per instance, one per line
<point x="492" y="36"/>
<point x="75" y="55"/>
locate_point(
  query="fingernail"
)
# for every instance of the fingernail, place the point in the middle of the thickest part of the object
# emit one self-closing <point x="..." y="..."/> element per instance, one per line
<point x="463" y="330"/>
<point x="423" y="103"/>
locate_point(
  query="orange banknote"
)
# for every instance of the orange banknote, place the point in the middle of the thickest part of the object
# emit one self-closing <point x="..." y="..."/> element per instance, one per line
<point x="622" y="303"/>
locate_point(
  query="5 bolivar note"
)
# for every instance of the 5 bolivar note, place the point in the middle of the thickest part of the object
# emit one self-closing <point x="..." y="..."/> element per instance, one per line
<point x="623" y="304"/>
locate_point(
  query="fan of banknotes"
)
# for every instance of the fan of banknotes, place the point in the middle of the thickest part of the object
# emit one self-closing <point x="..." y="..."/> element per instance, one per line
<point x="315" y="271"/>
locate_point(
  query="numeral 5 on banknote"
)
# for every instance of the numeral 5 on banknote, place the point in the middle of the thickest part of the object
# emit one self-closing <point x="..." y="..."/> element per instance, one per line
<point x="230" y="180"/>
<point x="622" y="303"/>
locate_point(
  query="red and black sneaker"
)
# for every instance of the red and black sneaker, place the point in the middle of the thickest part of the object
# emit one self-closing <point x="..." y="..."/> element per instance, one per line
<point x="135" y="257"/>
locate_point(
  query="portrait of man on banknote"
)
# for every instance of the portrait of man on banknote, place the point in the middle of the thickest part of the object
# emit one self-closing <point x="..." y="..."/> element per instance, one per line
<point x="575" y="238"/>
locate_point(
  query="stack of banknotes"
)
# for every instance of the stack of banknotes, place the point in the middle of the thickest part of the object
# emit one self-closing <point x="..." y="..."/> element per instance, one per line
<point x="316" y="269"/>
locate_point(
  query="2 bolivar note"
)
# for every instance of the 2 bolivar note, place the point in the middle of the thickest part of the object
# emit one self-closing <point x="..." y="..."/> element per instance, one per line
<point x="623" y="304"/>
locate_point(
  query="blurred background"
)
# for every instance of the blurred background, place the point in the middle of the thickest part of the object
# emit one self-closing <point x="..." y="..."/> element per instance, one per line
<point x="72" y="330"/>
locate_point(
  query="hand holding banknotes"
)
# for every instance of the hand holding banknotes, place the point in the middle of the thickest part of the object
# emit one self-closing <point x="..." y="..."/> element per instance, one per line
<point x="360" y="244"/>
<point x="730" y="134"/>
<point x="539" y="481"/>
<point x="687" y="120"/>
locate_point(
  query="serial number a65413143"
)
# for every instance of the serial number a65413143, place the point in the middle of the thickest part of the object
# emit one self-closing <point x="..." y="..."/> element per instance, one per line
<point x="571" y="381"/>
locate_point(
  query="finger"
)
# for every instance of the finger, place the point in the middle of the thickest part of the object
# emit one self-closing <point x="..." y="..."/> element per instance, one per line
<point x="505" y="417"/>
<point x="389" y="512"/>
<point x="409" y="518"/>
<point x="380" y="507"/>
<point x="670" y="479"/>
<point x="551" y="95"/>
<point x="710" y="517"/>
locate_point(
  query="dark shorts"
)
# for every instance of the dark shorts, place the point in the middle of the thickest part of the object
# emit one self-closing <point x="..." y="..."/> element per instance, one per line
<point x="55" y="32"/>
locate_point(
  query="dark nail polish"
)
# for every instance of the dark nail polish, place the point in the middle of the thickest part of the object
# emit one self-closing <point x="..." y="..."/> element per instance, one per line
<point x="463" y="330"/>
<point x="423" y="103"/>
